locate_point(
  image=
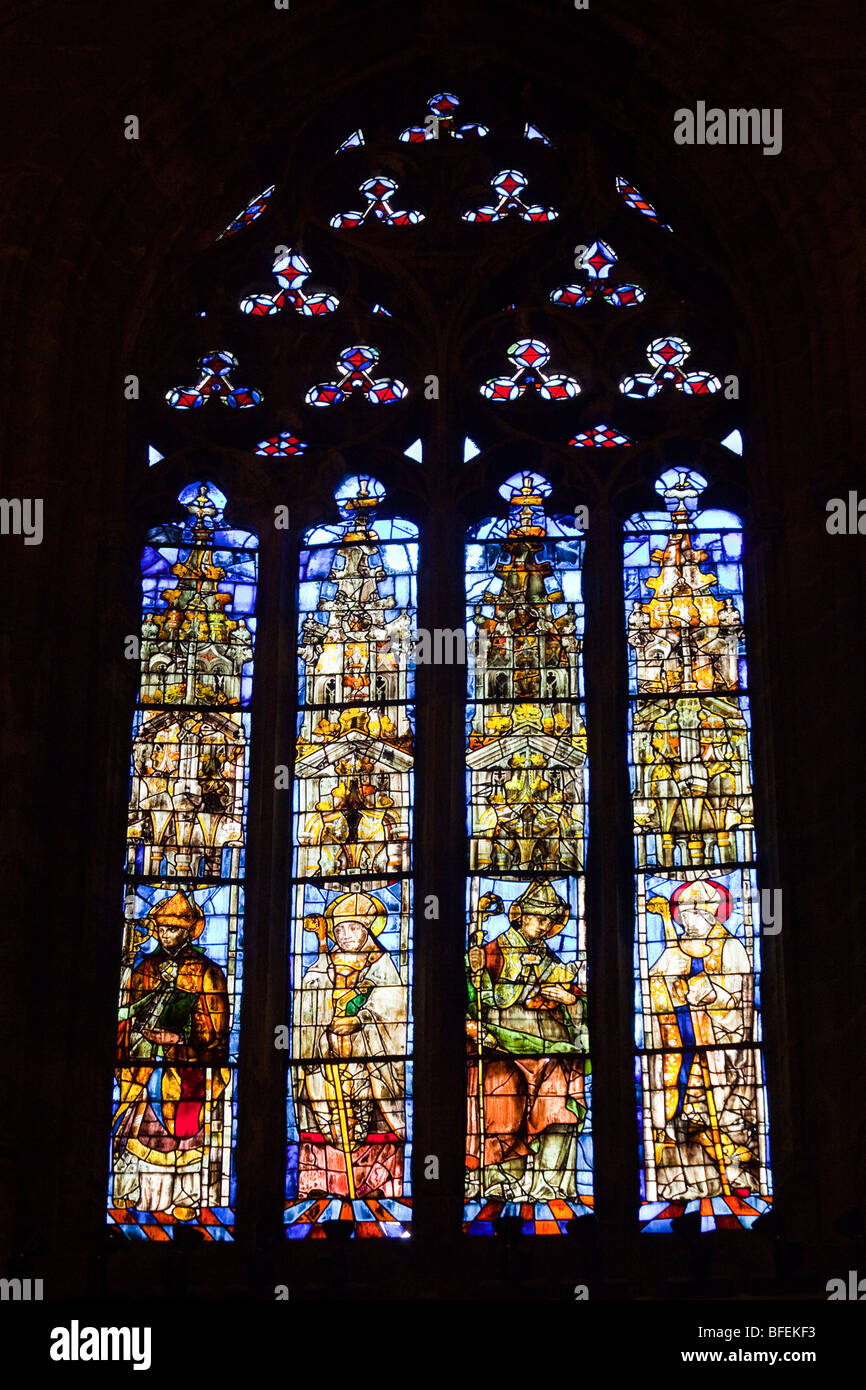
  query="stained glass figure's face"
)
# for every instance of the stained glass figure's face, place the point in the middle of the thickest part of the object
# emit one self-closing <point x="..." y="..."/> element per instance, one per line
<point x="535" y="928"/>
<point x="353" y="937"/>
<point x="697" y="907"/>
<point x="172" y="936"/>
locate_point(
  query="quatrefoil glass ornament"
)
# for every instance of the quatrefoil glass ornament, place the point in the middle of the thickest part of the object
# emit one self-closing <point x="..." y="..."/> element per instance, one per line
<point x="509" y="184"/>
<point x="667" y="355"/>
<point x="354" y="365"/>
<point x="378" y="192"/>
<point x="596" y="264"/>
<point x="440" y="121"/>
<point x="214" y="383"/>
<point x="291" y="271"/>
<point x="529" y="357"/>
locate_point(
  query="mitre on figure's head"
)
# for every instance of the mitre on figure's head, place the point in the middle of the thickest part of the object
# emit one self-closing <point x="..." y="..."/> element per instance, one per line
<point x="356" y="907"/>
<point x="702" y="892"/>
<point x="177" y="911"/>
<point x="541" y="900"/>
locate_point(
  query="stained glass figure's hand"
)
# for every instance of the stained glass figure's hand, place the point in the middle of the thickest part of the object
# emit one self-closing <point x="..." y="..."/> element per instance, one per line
<point x="477" y="959"/>
<point x="557" y="993"/>
<point x="344" y="1026"/>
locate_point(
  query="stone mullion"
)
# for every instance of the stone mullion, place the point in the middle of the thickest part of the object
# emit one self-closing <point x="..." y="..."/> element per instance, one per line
<point x="609" y="891"/>
<point x="262" y="1072"/>
<point x="440" y="855"/>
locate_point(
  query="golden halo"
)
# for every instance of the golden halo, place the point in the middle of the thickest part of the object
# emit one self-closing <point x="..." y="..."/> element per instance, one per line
<point x="356" y="907"/>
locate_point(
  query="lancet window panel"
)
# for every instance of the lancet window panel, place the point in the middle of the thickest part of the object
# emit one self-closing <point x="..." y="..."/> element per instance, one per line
<point x="175" y="1094"/>
<point x="350" y="1073"/>
<point x="702" y="1107"/>
<point x="528" y="1131"/>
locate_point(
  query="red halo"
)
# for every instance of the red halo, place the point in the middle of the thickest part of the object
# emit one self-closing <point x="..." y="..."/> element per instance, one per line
<point x="723" y="911"/>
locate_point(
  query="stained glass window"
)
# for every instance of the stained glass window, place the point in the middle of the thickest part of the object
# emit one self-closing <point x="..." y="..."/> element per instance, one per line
<point x="251" y="213"/>
<point x="596" y="264"/>
<point x="701" y="1100"/>
<point x="441" y="121"/>
<point x="529" y="357"/>
<point x="291" y="272"/>
<point x="634" y="199"/>
<point x="350" y="1072"/>
<point x="508" y="185"/>
<point x="666" y="356"/>
<point x="531" y="132"/>
<point x="529" y="1147"/>
<point x="600" y="437"/>
<point x="349" y="1032"/>
<point x="355" y="365"/>
<point x="174" y="1115"/>
<point x="378" y="193"/>
<point x="214" y="384"/>
<point x="282" y="445"/>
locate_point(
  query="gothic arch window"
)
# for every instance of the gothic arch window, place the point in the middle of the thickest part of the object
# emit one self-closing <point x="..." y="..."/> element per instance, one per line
<point x="350" y="1087"/>
<point x="529" y="1132"/>
<point x="699" y="1067"/>
<point x="435" y="380"/>
<point x="175" y="1094"/>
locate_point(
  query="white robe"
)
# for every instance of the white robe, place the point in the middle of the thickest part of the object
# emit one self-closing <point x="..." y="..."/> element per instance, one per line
<point x="382" y="1034"/>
